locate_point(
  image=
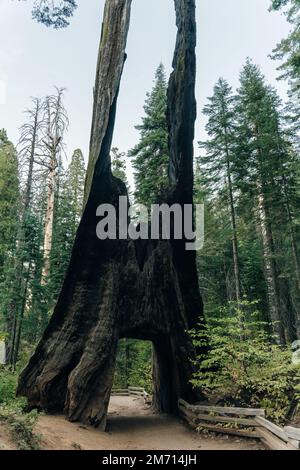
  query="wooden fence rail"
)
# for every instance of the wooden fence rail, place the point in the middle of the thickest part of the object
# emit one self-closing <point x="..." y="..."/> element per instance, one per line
<point x="242" y="422"/>
<point x="133" y="391"/>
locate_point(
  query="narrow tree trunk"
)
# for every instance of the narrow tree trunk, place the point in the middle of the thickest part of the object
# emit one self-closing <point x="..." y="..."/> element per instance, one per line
<point x="20" y="324"/>
<point x="292" y="233"/>
<point x="29" y="181"/>
<point x="236" y="265"/>
<point x="49" y="220"/>
<point x="288" y="209"/>
<point x="18" y="314"/>
<point x="297" y="273"/>
<point x="127" y="358"/>
<point x="119" y="288"/>
<point x="270" y="268"/>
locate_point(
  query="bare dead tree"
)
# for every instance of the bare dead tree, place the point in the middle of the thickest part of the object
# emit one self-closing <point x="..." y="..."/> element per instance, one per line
<point x="28" y="145"/>
<point x="55" y="121"/>
<point x="39" y="150"/>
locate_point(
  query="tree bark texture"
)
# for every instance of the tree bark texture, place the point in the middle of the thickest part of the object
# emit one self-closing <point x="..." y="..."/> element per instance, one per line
<point x="235" y="250"/>
<point x="120" y="288"/>
<point x="49" y="220"/>
<point x="270" y="269"/>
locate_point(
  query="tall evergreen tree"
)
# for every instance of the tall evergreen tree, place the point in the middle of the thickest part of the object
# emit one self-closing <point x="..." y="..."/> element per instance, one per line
<point x="9" y="226"/>
<point x="289" y="48"/>
<point x="76" y="178"/>
<point x="118" y="165"/>
<point x="219" y="158"/>
<point x="260" y="167"/>
<point x="9" y="198"/>
<point x="150" y="155"/>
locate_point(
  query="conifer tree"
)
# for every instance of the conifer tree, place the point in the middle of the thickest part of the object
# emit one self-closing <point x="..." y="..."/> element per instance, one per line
<point x="261" y="166"/>
<point x="289" y="48"/>
<point x="118" y="165"/>
<point x="217" y="163"/>
<point x="150" y="155"/>
<point x="9" y="225"/>
<point x="67" y="215"/>
<point x="76" y="178"/>
<point x="9" y="197"/>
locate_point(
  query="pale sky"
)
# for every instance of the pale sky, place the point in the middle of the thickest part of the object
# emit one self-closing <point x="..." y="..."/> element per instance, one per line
<point x="33" y="58"/>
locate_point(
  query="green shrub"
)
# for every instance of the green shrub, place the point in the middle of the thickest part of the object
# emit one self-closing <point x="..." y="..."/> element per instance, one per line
<point x="243" y="366"/>
<point x="21" y="426"/>
<point x="19" y="423"/>
<point x="8" y="384"/>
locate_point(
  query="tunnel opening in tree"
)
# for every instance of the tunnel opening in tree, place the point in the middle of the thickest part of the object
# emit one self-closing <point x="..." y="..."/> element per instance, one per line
<point x="133" y="365"/>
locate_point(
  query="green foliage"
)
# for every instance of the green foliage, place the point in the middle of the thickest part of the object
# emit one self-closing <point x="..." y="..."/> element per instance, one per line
<point x="67" y="215"/>
<point x="21" y="426"/>
<point x="54" y="13"/>
<point x="289" y="48"/>
<point x="243" y="367"/>
<point x="134" y="364"/>
<point x="8" y="384"/>
<point x="9" y="198"/>
<point x="219" y="149"/>
<point x="19" y="423"/>
<point x="249" y="142"/>
<point x="150" y="155"/>
<point x="75" y="183"/>
<point x="118" y="165"/>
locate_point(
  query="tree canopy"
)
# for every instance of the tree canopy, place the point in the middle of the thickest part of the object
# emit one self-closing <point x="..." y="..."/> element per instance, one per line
<point x="55" y="13"/>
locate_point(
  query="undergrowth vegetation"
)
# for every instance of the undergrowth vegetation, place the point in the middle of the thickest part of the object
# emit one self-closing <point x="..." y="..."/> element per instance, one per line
<point x="13" y="412"/>
<point x="244" y="366"/>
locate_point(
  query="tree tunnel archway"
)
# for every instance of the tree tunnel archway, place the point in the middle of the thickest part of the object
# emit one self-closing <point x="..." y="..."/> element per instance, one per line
<point x="120" y="288"/>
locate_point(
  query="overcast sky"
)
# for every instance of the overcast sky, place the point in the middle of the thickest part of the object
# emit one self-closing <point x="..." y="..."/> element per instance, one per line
<point x="33" y="58"/>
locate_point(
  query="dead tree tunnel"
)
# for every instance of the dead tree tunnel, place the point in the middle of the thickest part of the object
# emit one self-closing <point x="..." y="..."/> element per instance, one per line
<point x="119" y="288"/>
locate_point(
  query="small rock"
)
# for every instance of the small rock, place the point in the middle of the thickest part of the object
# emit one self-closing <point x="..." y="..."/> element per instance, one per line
<point x="76" y="446"/>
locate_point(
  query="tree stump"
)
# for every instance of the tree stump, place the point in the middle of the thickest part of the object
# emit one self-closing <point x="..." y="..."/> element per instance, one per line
<point x="120" y="288"/>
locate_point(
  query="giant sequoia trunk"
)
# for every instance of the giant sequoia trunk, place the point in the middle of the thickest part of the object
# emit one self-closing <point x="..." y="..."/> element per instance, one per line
<point x="119" y="288"/>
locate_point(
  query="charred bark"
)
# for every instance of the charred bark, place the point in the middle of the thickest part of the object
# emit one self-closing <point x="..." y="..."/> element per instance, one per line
<point x="119" y="288"/>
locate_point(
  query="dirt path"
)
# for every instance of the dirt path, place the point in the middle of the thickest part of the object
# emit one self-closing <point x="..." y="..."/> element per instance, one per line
<point x="132" y="426"/>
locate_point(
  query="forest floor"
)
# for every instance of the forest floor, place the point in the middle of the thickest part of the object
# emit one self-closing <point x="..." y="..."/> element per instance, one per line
<point x="131" y="426"/>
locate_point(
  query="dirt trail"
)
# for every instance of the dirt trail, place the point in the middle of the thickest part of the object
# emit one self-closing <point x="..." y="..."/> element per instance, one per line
<point x="132" y="426"/>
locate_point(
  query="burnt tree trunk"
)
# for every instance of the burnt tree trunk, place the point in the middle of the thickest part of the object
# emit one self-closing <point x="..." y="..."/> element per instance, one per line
<point x="119" y="288"/>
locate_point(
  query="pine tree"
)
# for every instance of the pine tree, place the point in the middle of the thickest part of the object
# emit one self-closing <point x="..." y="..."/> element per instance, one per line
<point x="64" y="230"/>
<point x="118" y="165"/>
<point x="150" y="155"/>
<point x="37" y="306"/>
<point x="19" y="276"/>
<point x="216" y="165"/>
<point x="9" y="225"/>
<point x="250" y="160"/>
<point x="68" y="210"/>
<point x="289" y="48"/>
<point x="76" y="178"/>
<point x="9" y="198"/>
<point x="261" y="166"/>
